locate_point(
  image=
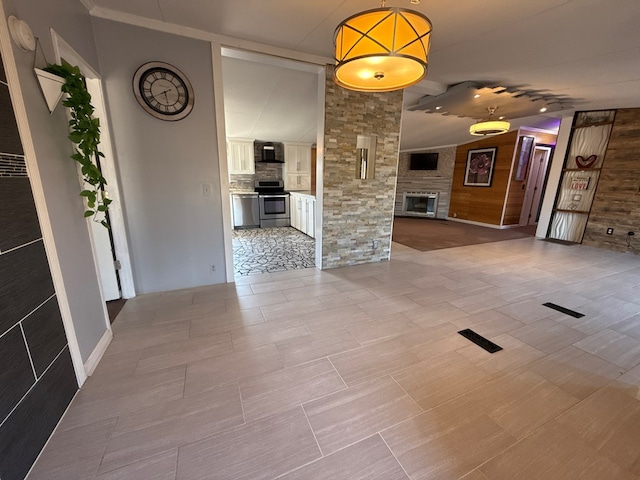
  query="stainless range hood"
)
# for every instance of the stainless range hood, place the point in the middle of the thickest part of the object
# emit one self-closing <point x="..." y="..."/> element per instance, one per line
<point x="268" y="154"/>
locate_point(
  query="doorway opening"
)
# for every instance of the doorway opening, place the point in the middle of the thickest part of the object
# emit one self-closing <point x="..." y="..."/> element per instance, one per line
<point x="536" y="184"/>
<point x="110" y="248"/>
<point x="271" y="111"/>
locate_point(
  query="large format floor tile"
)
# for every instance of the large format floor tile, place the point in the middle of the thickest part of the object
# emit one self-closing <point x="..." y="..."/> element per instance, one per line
<point x="369" y="459"/>
<point x="552" y="453"/>
<point x="273" y="392"/>
<point x="259" y="450"/>
<point x="360" y="373"/>
<point x="609" y="421"/>
<point x="457" y="431"/>
<point x="153" y="430"/>
<point x="348" y="416"/>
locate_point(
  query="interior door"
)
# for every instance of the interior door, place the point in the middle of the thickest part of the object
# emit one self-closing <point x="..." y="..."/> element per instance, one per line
<point x="535" y="185"/>
<point x="102" y="241"/>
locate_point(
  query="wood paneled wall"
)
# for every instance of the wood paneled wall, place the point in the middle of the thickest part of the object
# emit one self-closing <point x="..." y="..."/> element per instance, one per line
<point x="483" y="204"/>
<point x="617" y="200"/>
<point x="515" y="197"/>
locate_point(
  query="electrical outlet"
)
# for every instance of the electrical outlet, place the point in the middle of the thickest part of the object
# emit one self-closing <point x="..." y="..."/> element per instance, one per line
<point x="206" y="189"/>
<point x="609" y="231"/>
<point x="212" y="268"/>
<point x="374" y="244"/>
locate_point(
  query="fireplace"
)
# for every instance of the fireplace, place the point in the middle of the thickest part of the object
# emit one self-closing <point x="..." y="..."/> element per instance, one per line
<point x="420" y="204"/>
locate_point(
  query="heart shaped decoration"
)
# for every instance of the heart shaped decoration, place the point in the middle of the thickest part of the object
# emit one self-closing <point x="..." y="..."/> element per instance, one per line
<point x="586" y="163"/>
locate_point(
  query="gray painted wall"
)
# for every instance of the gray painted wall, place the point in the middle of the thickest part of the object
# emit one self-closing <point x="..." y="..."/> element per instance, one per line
<point x="57" y="171"/>
<point x="175" y="232"/>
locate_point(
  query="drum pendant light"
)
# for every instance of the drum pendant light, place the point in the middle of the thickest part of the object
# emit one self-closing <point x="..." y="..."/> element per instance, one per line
<point x="489" y="126"/>
<point x="382" y="50"/>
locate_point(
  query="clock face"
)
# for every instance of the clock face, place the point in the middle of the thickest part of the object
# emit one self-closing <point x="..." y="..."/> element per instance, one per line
<point x="163" y="91"/>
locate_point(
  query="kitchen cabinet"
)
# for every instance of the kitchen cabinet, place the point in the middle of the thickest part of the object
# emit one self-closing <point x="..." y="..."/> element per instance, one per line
<point x="240" y="156"/>
<point x="303" y="213"/>
<point x="297" y="166"/>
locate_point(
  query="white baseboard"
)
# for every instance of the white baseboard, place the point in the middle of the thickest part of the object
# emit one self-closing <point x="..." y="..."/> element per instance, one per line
<point x="95" y="357"/>
<point x="480" y="224"/>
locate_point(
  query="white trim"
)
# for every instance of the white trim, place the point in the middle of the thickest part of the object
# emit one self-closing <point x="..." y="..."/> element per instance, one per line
<point x="553" y="179"/>
<point x="121" y="246"/>
<point x="538" y="130"/>
<point x="88" y="4"/>
<point x="19" y="108"/>
<point x="61" y="48"/>
<point x="98" y="352"/>
<point x="215" y="39"/>
<point x="319" y="210"/>
<point x="480" y="224"/>
<point x="506" y="194"/>
<point x="223" y="168"/>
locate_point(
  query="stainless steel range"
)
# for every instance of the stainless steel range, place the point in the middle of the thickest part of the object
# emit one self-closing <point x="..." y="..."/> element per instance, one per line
<point x="274" y="203"/>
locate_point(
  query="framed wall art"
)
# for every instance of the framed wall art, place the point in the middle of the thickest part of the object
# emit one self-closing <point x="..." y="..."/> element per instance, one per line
<point x="479" y="170"/>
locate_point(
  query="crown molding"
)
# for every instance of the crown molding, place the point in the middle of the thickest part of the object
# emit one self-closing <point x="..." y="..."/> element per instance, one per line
<point x="197" y="34"/>
<point x="88" y="4"/>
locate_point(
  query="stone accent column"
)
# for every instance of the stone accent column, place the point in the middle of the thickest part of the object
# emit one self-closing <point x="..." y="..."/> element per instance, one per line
<point x="358" y="214"/>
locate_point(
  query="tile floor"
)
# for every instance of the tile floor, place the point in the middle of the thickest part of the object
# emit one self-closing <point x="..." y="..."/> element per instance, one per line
<point x="359" y="373"/>
<point x="269" y="250"/>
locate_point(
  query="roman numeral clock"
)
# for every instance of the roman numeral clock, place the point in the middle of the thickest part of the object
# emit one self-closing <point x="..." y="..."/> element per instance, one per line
<point x="163" y="91"/>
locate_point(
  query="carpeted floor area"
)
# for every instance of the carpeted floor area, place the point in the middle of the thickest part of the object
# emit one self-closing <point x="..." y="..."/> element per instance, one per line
<point x="433" y="234"/>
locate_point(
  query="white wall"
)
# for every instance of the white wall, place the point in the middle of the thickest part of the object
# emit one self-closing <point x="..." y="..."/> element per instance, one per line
<point x="175" y="232"/>
<point x="553" y="179"/>
<point x="67" y="237"/>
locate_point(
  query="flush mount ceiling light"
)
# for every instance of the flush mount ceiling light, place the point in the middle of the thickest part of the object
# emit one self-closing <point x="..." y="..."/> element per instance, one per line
<point x="489" y="126"/>
<point x="382" y="50"/>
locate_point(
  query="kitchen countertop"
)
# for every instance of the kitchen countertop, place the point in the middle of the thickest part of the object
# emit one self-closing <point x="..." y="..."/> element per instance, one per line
<point x="306" y="193"/>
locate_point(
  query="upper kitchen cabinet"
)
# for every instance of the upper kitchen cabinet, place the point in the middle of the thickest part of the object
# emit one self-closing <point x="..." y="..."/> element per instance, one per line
<point x="297" y="166"/>
<point x="240" y="156"/>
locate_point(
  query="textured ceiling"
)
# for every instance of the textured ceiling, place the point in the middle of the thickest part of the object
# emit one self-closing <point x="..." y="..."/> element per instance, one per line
<point x="587" y="50"/>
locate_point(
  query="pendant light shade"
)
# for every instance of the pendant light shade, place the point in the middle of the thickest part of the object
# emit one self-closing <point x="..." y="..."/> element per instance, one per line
<point x="489" y="126"/>
<point x="382" y="50"/>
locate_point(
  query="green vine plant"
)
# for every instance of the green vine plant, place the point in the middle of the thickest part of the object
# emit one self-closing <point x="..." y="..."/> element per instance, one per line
<point x="85" y="134"/>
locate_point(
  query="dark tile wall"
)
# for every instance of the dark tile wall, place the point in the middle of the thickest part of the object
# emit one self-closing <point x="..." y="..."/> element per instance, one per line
<point x="37" y="380"/>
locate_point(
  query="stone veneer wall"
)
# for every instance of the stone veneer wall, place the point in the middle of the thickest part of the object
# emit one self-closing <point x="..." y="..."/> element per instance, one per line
<point x="439" y="180"/>
<point x="358" y="212"/>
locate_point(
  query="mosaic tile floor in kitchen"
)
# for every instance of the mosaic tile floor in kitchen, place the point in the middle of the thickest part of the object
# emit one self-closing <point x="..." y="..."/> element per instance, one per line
<point x="267" y="250"/>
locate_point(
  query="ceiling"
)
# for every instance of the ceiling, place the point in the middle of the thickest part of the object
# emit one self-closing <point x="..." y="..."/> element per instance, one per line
<point x="587" y="50"/>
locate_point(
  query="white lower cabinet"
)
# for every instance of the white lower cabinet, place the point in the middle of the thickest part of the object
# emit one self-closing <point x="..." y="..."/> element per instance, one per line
<point x="303" y="210"/>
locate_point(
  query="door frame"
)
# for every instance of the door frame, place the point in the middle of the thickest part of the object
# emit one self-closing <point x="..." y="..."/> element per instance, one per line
<point x="116" y="216"/>
<point x="531" y="184"/>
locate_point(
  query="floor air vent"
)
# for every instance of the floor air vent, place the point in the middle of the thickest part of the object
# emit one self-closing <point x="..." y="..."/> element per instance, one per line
<point x="564" y="310"/>
<point x="479" y="340"/>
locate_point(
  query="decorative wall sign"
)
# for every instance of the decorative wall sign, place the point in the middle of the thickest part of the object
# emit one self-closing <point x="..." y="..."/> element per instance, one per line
<point x="580" y="183"/>
<point x="479" y="170"/>
<point x="586" y="162"/>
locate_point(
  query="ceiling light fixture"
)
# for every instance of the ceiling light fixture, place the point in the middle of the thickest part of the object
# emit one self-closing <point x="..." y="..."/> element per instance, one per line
<point x="382" y="50"/>
<point x="489" y="126"/>
<point x="543" y="109"/>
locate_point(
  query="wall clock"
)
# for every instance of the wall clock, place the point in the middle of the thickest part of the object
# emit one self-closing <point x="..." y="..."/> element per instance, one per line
<point x="163" y="91"/>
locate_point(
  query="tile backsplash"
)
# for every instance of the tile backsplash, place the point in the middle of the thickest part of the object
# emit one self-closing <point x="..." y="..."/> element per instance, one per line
<point x="264" y="171"/>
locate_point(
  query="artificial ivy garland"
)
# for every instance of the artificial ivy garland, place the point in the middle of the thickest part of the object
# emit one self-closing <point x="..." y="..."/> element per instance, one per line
<point x="85" y="133"/>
